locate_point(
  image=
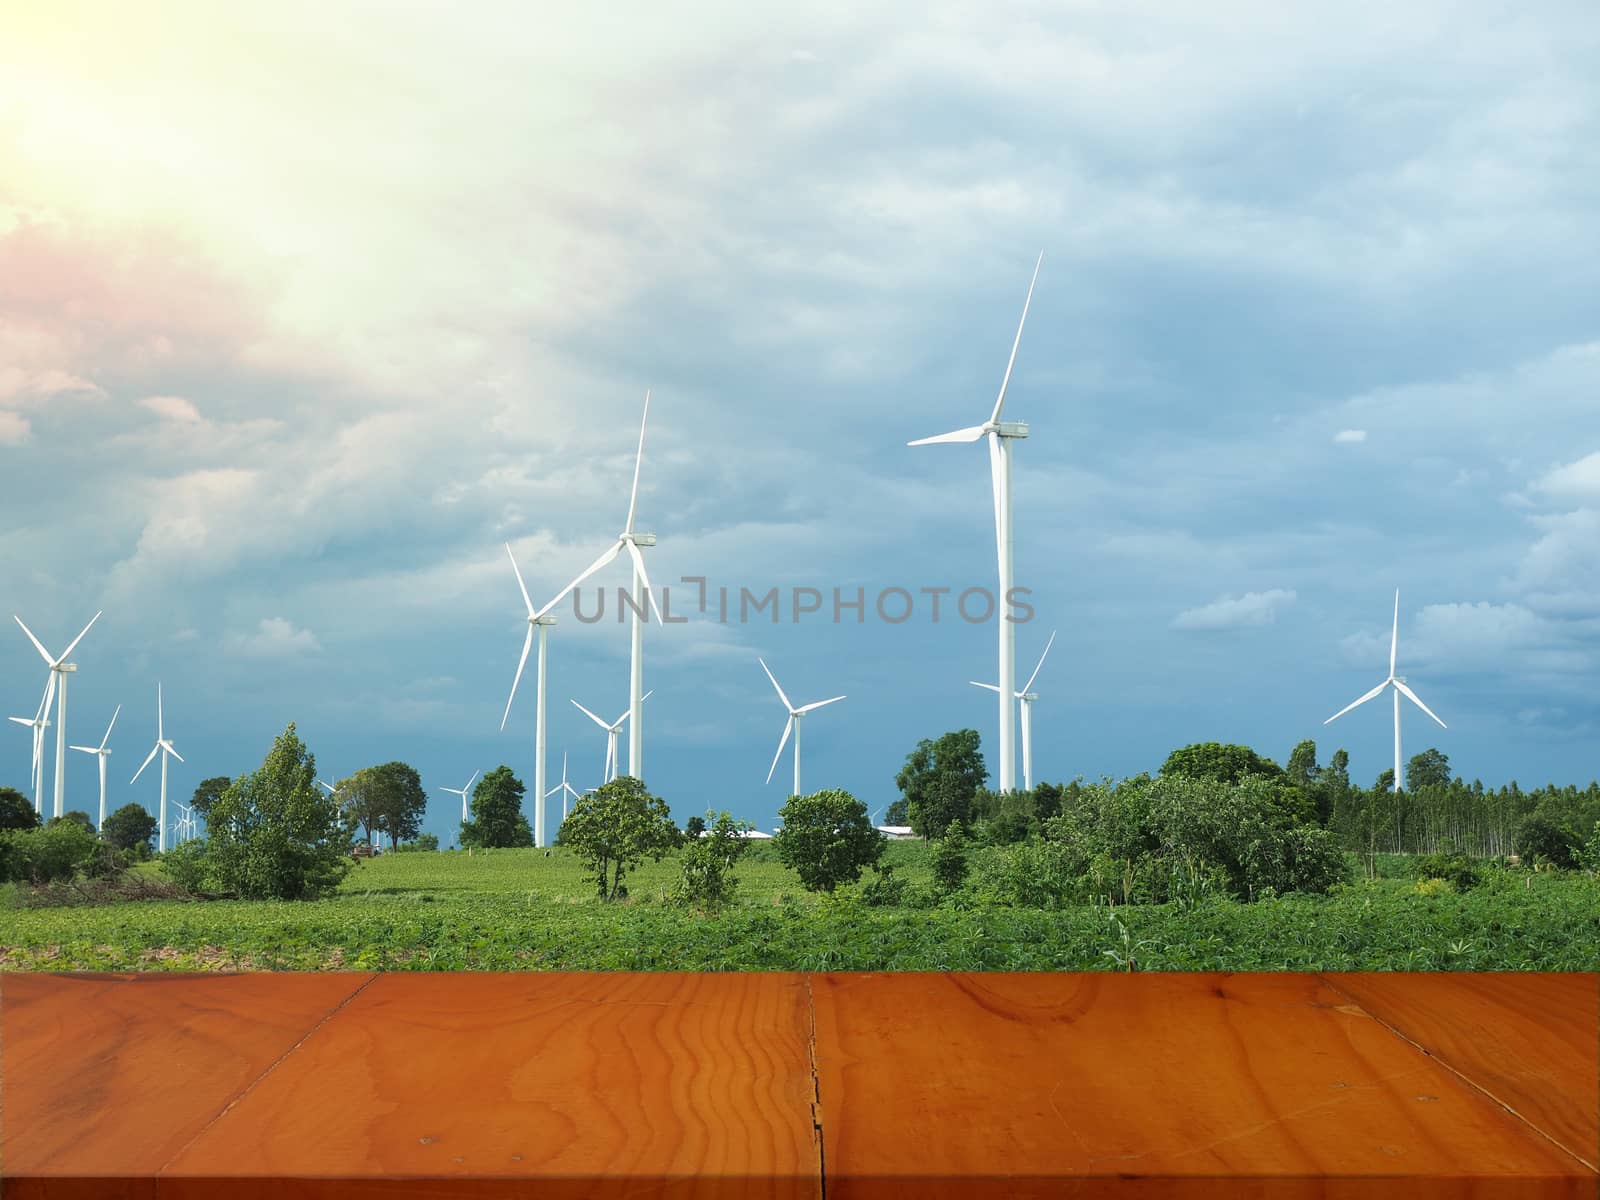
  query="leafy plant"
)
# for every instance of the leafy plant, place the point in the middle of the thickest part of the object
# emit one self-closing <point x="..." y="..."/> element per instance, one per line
<point x="827" y="839"/>
<point x="705" y="874"/>
<point x="617" y="827"/>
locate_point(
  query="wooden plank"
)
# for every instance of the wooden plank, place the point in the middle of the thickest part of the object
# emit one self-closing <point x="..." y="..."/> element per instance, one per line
<point x="1147" y="1085"/>
<point x="1531" y="1041"/>
<point x="574" y="1084"/>
<point x="104" y="1078"/>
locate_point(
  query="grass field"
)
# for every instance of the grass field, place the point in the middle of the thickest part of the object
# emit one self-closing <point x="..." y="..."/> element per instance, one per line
<point x="518" y="909"/>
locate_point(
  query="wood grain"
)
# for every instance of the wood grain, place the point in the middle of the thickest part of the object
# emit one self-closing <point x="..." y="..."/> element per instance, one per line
<point x="1532" y="1041"/>
<point x="1170" y="1085"/>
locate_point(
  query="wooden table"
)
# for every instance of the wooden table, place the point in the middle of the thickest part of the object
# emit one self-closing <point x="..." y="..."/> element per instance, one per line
<point x="710" y="1086"/>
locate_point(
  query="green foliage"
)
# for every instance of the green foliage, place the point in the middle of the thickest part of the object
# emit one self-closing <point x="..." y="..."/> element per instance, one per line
<point x="1456" y="869"/>
<point x="422" y="842"/>
<point x="58" y="851"/>
<point x="1431" y="768"/>
<point x="694" y="827"/>
<point x="130" y="828"/>
<point x="705" y="875"/>
<point x="940" y="779"/>
<point x="1537" y="836"/>
<point x="950" y="858"/>
<point x="74" y="817"/>
<point x="207" y="793"/>
<point x="1002" y="819"/>
<point x="497" y="818"/>
<point x="15" y="811"/>
<point x="1036" y="874"/>
<point x="274" y="833"/>
<point x="897" y="814"/>
<point x="827" y="839"/>
<point x="187" y="865"/>
<point x="386" y="799"/>
<point x="1222" y="763"/>
<point x="1589" y="858"/>
<point x="615" y="828"/>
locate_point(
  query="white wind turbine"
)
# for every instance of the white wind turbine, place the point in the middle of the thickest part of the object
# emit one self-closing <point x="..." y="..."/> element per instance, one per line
<point x="568" y="792"/>
<point x="164" y="748"/>
<point x="1001" y="434"/>
<point x="62" y="668"/>
<point x="1399" y="683"/>
<point x="612" y="730"/>
<point x="102" y="754"/>
<point x="186" y="823"/>
<point x="1025" y="698"/>
<point x="38" y="724"/>
<point x="463" y="793"/>
<point x="792" y="725"/>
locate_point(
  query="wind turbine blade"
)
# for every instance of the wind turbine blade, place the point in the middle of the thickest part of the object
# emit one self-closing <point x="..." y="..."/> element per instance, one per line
<point x="1028" y="687"/>
<point x="1011" y="362"/>
<point x="988" y="687"/>
<point x="43" y="653"/>
<point x="49" y="695"/>
<point x="470" y="782"/>
<point x="73" y="645"/>
<point x="772" y="677"/>
<point x="644" y="576"/>
<point x="160" y="728"/>
<point x="970" y="434"/>
<point x="154" y="750"/>
<point x="527" y="645"/>
<point x="24" y="721"/>
<point x="592" y="717"/>
<point x="647" y="695"/>
<point x="110" y="727"/>
<point x="526" y="599"/>
<point x="612" y="552"/>
<point x="782" y="742"/>
<point x="1394" y="637"/>
<point x="633" y="498"/>
<point x="805" y="708"/>
<point x="1357" y="703"/>
<point x="85" y="749"/>
<point x="1412" y="696"/>
<point x="996" y="466"/>
<point x="325" y="787"/>
<point x="172" y="752"/>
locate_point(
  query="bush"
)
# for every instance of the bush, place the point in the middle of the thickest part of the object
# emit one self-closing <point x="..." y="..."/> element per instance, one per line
<point x="827" y="839"/>
<point x="130" y="828"/>
<point x="705" y="878"/>
<point x="1538" y="836"/>
<point x="1457" y="869"/>
<point x="55" y="852"/>
<point x="950" y="858"/>
<point x="423" y="842"/>
<point x="15" y="811"/>
<point x="1039" y="874"/>
<point x="885" y="889"/>
<point x="616" y="827"/>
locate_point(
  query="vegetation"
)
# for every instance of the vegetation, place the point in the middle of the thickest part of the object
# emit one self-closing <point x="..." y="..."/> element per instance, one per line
<point x="15" y="811"/>
<point x="615" y="828"/>
<point x="131" y="828"/>
<point x="940" y="780"/>
<point x="386" y="799"/>
<point x="828" y="839"/>
<point x="705" y="875"/>
<point x="497" y="819"/>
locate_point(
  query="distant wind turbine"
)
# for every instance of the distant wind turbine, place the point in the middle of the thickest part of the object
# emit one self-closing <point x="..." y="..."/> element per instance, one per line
<point x="1400" y="687"/>
<point x="612" y="730"/>
<point x="568" y="792"/>
<point x="1000" y="435"/>
<point x="102" y="754"/>
<point x="38" y="724"/>
<point x="463" y="793"/>
<point x="164" y="748"/>
<point x="792" y="725"/>
<point x="1025" y="699"/>
<point x="62" y="668"/>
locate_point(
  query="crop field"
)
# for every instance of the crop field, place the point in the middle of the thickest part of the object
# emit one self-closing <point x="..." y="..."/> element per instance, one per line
<point x="518" y="909"/>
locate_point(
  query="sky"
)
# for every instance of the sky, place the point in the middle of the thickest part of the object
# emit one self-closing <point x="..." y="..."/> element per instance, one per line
<point x="306" y="310"/>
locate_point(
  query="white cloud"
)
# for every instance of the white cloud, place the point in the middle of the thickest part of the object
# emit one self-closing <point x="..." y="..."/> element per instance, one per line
<point x="1349" y="436"/>
<point x="1575" y="482"/>
<point x="1252" y="608"/>
<point x="14" y="428"/>
<point x="274" y="637"/>
<point x="172" y="408"/>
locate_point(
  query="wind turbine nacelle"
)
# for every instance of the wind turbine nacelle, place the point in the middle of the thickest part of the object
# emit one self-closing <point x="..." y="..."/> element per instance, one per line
<point x="1012" y="429"/>
<point x="65" y="668"/>
<point x="644" y="540"/>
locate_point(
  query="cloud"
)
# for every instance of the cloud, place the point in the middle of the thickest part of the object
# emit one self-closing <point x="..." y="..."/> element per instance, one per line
<point x="1575" y="482"/>
<point x="14" y="428"/>
<point x="1349" y="436"/>
<point x="1252" y="608"/>
<point x="274" y="637"/>
<point x="172" y="408"/>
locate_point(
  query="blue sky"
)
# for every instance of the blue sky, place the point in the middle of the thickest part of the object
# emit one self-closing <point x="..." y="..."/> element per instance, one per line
<point x="304" y="313"/>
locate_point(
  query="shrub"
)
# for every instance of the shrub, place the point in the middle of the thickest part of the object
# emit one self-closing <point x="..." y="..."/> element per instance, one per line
<point x="950" y="858"/>
<point x="1538" y="836"/>
<point x="1433" y="887"/>
<point x="15" y="811"/>
<point x="423" y="842"/>
<point x="827" y="839"/>
<point x="885" y="889"/>
<point x="186" y="865"/>
<point x="55" y="852"/>
<point x="1043" y="874"/>
<point x="1459" y="870"/>
<point x="616" y="827"/>
<point x="130" y="827"/>
<point x="705" y="877"/>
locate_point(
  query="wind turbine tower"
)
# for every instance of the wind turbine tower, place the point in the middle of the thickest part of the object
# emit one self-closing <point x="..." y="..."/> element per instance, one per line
<point x="101" y="753"/>
<point x="60" y="668"/>
<point x="164" y="748"/>
<point x="792" y="725"/>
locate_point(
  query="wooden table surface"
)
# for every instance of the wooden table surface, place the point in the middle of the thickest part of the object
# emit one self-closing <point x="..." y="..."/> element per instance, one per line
<point x="711" y="1086"/>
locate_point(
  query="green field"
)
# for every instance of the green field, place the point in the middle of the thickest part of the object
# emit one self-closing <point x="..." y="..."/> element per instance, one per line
<point x="518" y="909"/>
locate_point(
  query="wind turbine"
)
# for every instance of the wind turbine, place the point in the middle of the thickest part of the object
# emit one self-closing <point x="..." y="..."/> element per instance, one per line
<point x="185" y="822"/>
<point x="612" y="730"/>
<point x="1025" y="699"/>
<point x="792" y="725"/>
<point x="568" y="792"/>
<point x="59" y="667"/>
<point x="38" y="724"/>
<point x="1399" y="683"/>
<point x="1001" y="434"/>
<point x="164" y="748"/>
<point x="102" y="754"/>
<point x="462" y="792"/>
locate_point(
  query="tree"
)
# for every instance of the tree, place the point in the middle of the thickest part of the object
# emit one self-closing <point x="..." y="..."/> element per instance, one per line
<point x="55" y="852"/>
<point x="896" y="813"/>
<point x="15" y="811"/>
<point x="1224" y="763"/>
<point x="950" y="858"/>
<point x="74" y="817"/>
<point x="274" y="834"/>
<point x="828" y="839"/>
<point x="208" y="793"/>
<point x="1431" y="768"/>
<point x="615" y="828"/>
<point x="694" y="827"/>
<point x="940" y="779"/>
<point x="1302" y="770"/>
<point x="497" y="818"/>
<point x="1385" y="780"/>
<point x="391" y="800"/>
<point x="130" y="827"/>
<point x="705" y="877"/>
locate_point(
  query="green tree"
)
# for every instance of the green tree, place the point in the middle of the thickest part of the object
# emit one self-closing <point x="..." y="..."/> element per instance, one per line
<point x="1224" y="763"/>
<point x="705" y="876"/>
<point x="208" y="793"/>
<point x="55" y="852"/>
<point x="615" y="828"/>
<point x="1385" y="780"/>
<point x="694" y="827"/>
<point x="939" y="780"/>
<point x="950" y="858"/>
<point x="393" y="800"/>
<point x="497" y="818"/>
<point x="129" y="828"/>
<point x="896" y="813"/>
<point x="828" y="839"/>
<point x="15" y="811"/>
<point x="1431" y="768"/>
<point x="75" y="817"/>
<point x="274" y="834"/>
<point x="1302" y="770"/>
